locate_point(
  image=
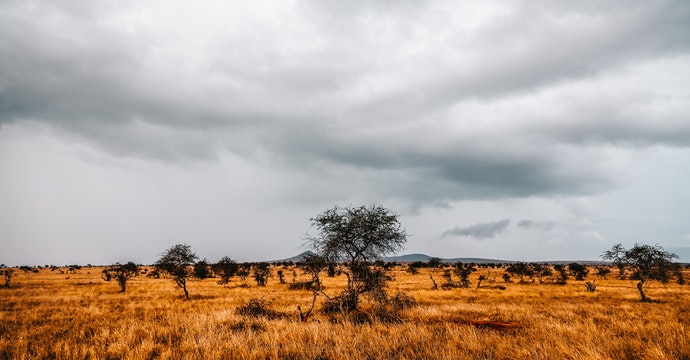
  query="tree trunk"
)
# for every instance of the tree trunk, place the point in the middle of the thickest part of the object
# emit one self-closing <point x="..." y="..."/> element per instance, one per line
<point x="183" y="285"/>
<point x="639" y="288"/>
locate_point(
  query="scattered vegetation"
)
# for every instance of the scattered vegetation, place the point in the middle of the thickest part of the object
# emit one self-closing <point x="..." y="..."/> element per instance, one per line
<point x="65" y="314"/>
<point x="47" y="316"/>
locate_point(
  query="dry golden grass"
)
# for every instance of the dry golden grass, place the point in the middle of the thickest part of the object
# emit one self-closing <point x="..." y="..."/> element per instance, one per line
<point x="45" y="315"/>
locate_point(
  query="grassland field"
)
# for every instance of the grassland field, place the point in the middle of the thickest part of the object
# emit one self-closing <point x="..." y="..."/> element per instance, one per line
<point x="77" y="315"/>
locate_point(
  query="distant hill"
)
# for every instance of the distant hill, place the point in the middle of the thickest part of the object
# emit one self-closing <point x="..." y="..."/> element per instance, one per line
<point x="407" y="258"/>
<point x="296" y="258"/>
<point x="425" y="258"/>
<point x="683" y="252"/>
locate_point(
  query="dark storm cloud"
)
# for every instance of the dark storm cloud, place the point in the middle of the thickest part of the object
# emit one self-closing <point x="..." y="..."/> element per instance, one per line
<point x="487" y="230"/>
<point x="370" y="88"/>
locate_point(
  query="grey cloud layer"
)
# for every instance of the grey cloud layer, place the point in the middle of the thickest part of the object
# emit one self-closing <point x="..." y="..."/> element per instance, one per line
<point x="435" y="101"/>
<point x="486" y="230"/>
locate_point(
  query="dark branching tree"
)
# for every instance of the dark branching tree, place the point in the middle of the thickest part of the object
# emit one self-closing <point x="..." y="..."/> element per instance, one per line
<point x="603" y="271"/>
<point x="202" y="269"/>
<point x="313" y="265"/>
<point x="262" y="271"/>
<point x="178" y="262"/>
<point x="243" y="271"/>
<point x="413" y="268"/>
<point x="561" y="274"/>
<point x="434" y="262"/>
<point x="520" y="269"/>
<point x="121" y="273"/>
<point x="355" y="237"/>
<point x="225" y="268"/>
<point x="647" y="262"/>
<point x="8" y="274"/>
<point x="541" y="271"/>
<point x="579" y="271"/>
<point x="463" y="271"/>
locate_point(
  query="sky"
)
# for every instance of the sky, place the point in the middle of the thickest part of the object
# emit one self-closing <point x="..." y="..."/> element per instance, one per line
<point x="516" y="130"/>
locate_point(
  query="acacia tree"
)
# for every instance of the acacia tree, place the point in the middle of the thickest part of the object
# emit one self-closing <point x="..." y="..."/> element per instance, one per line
<point x="262" y="271"/>
<point x="463" y="271"/>
<point x="562" y="274"/>
<point x="202" y="269"/>
<point x="541" y="271"/>
<point x="121" y="273"/>
<point x="354" y="238"/>
<point x="521" y="270"/>
<point x="225" y="268"/>
<point x="313" y="265"/>
<point x="579" y="271"/>
<point x="648" y="262"/>
<point x="8" y="274"/>
<point x="178" y="262"/>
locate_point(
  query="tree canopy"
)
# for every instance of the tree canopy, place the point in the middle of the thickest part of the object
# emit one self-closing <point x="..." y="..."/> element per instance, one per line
<point x="178" y="261"/>
<point x="355" y="237"/>
<point x="359" y="234"/>
<point x="648" y="262"/>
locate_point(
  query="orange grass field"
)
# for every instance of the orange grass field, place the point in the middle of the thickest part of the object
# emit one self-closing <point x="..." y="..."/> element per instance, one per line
<point x="53" y="315"/>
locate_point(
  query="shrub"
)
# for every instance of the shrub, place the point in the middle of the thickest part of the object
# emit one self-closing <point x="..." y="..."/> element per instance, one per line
<point x="259" y="308"/>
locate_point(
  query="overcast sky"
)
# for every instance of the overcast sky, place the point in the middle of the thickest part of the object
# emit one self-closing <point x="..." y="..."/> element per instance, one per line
<point x="535" y="130"/>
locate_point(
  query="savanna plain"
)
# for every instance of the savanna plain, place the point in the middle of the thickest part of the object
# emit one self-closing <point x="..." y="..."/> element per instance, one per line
<point x="59" y="314"/>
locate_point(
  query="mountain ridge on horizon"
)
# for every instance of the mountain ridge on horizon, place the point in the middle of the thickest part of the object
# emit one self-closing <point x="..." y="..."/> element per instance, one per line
<point x="407" y="258"/>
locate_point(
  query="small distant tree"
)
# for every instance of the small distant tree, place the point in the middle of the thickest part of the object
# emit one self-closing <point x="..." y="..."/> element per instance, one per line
<point x="647" y="262"/>
<point x="433" y="262"/>
<point x="8" y="274"/>
<point x="262" y="271"/>
<point x="243" y="271"/>
<point x="225" y="268"/>
<point x="561" y="274"/>
<point x="355" y="237"/>
<point x="541" y="271"/>
<point x="481" y="278"/>
<point x="313" y="265"/>
<point x="121" y="273"/>
<point x="178" y="262"/>
<point x="520" y="269"/>
<point x="579" y="271"/>
<point x="463" y="271"/>
<point x="679" y="275"/>
<point x="413" y="268"/>
<point x="449" y="282"/>
<point x="603" y="272"/>
<point x="202" y="269"/>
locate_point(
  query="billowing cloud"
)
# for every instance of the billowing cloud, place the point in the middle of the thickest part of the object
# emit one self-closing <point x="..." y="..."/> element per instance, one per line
<point x="424" y="105"/>
<point x="487" y="230"/>
<point x="415" y="92"/>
